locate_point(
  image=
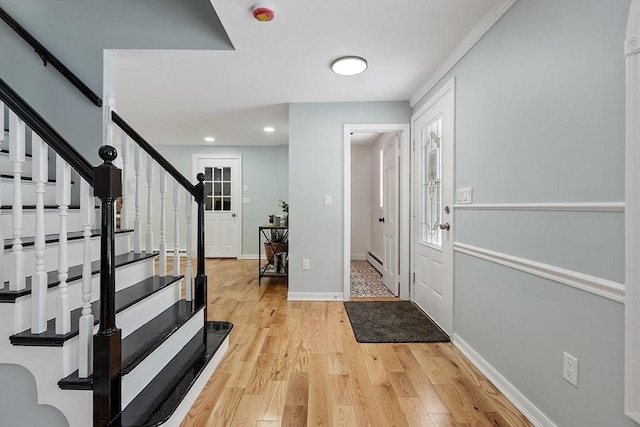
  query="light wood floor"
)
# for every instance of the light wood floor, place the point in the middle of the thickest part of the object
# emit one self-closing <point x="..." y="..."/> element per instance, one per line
<point x="298" y="364"/>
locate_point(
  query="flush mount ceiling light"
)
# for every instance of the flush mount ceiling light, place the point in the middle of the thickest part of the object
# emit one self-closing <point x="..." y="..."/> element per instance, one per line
<point x="269" y="129"/>
<point x="349" y="65"/>
<point x="209" y="138"/>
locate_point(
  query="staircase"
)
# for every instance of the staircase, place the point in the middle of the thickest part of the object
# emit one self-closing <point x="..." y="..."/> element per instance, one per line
<point x="108" y="334"/>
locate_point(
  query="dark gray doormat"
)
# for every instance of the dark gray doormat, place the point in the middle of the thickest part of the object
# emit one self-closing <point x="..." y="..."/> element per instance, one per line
<point x="391" y="321"/>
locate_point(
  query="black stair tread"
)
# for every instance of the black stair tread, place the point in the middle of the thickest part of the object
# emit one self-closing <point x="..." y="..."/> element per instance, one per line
<point x="75" y="273"/>
<point x="28" y="178"/>
<point x="141" y="343"/>
<point x="5" y="151"/>
<point x="52" y="238"/>
<point x="7" y="208"/>
<point x="160" y="398"/>
<point x="124" y="299"/>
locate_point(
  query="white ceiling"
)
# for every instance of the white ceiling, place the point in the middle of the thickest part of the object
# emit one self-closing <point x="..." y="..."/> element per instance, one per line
<point x="179" y="97"/>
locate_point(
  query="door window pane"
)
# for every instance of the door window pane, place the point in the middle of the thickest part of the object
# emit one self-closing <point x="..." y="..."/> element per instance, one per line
<point x="218" y="189"/>
<point x="431" y="185"/>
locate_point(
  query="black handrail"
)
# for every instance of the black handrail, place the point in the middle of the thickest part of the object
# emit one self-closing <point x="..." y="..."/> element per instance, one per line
<point x="48" y="134"/>
<point x="47" y="56"/>
<point x="154" y="153"/>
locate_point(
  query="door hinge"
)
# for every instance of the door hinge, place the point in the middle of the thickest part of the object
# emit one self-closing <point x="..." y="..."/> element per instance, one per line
<point x="414" y="277"/>
<point x="413" y="145"/>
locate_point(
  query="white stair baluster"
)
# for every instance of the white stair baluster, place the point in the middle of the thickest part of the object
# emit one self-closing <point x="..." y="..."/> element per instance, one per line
<point x="188" y="205"/>
<point x="150" y="167"/>
<point x="124" y="206"/>
<point x="176" y="229"/>
<point x="63" y="198"/>
<point x="137" y="226"/>
<point x="85" y="360"/>
<point x="16" y="156"/>
<point x="40" y="166"/>
<point x="163" y="223"/>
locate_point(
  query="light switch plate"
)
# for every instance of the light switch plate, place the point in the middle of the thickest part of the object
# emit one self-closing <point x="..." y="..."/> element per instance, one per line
<point x="246" y="200"/>
<point x="464" y="195"/>
<point x="327" y="200"/>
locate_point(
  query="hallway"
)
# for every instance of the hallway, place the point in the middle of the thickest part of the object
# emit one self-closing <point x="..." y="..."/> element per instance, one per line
<point x="298" y="364"/>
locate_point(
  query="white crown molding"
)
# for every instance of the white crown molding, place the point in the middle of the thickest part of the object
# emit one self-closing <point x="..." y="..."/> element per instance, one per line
<point x="314" y="296"/>
<point x="519" y="400"/>
<point x="580" y="207"/>
<point x="486" y="22"/>
<point x="595" y="285"/>
<point x="632" y="217"/>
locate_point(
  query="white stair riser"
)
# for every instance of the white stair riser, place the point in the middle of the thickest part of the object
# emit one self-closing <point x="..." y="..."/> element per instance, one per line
<point x="137" y="315"/>
<point x="6" y="166"/>
<point x="134" y="382"/>
<point x="75" y="255"/>
<point x="17" y="316"/>
<point x="28" y="192"/>
<point x="51" y="222"/>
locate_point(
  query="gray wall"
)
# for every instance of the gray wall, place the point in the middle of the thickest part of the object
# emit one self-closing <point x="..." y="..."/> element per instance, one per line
<point x="264" y="170"/>
<point x="19" y="400"/>
<point x="78" y="37"/>
<point x="316" y="168"/>
<point x="540" y="118"/>
<point x="361" y="195"/>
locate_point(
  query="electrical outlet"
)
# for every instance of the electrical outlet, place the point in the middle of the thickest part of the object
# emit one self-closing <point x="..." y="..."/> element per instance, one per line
<point x="305" y="263"/>
<point x="570" y="369"/>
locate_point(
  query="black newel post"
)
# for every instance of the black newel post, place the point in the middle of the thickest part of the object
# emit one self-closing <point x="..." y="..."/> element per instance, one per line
<point x="201" y="277"/>
<point x="107" y="358"/>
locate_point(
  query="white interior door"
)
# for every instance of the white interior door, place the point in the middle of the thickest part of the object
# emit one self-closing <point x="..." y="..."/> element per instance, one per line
<point x="433" y="221"/>
<point x="390" y="205"/>
<point x="222" y="206"/>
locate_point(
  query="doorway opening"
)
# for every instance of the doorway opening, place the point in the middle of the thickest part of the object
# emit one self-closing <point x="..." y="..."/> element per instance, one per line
<point x="376" y="211"/>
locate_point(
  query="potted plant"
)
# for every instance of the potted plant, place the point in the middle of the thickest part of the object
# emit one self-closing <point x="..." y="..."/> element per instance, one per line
<point x="276" y="244"/>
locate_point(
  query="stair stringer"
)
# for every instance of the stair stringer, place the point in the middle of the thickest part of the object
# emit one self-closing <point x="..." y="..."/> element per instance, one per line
<point x="76" y="405"/>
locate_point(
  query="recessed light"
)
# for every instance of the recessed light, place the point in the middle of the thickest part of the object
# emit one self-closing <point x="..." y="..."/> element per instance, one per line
<point x="349" y="65"/>
<point x="269" y="129"/>
<point x="209" y="138"/>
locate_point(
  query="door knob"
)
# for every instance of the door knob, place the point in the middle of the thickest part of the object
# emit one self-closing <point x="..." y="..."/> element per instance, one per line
<point x="445" y="226"/>
<point x="233" y="215"/>
<point x="380" y="219"/>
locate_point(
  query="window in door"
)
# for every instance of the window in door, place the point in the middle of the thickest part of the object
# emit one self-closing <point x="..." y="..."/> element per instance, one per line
<point x="431" y="186"/>
<point x="217" y="188"/>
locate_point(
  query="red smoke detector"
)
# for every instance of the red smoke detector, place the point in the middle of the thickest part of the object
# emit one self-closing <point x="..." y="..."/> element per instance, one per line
<point x="263" y="12"/>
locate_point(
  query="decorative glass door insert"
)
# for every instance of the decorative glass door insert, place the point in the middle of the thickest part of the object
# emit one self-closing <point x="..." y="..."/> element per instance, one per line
<point x="431" y="186"/>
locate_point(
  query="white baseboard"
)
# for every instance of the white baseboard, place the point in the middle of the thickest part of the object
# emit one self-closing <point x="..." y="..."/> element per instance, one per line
<point x="375" y="263"/>
<point x="358" y="257"/>
<point x="251" y="256"/>
<point x="314" y="296"/>
<point x="514" y="396"/>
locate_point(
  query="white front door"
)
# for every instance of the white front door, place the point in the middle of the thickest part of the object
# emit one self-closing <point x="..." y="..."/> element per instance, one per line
<point x="222" y="206"/>
<point x="433" y="196"/>
<point x="390" y="206"/>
